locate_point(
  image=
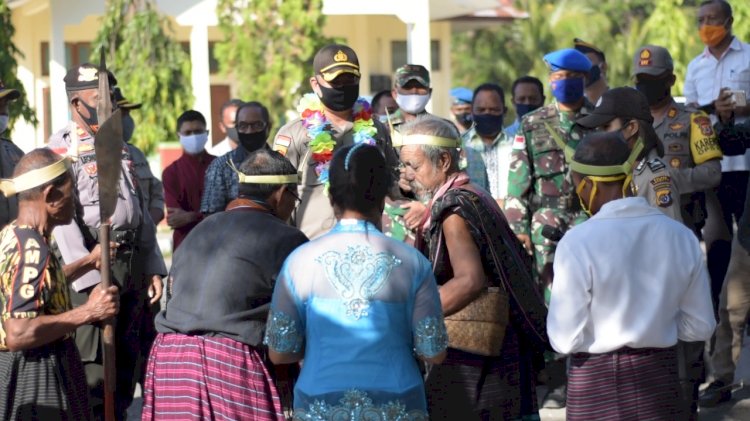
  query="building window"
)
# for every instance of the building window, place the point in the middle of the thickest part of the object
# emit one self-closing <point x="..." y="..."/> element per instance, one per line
<point x="45" y="58"/>
<point x="77" y="53"/>
<point x="399" y="54"/>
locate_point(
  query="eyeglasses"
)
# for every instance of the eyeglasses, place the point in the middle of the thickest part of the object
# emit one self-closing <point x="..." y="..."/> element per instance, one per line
<point x="255" y="126"/>
<point x="294" y="195"/>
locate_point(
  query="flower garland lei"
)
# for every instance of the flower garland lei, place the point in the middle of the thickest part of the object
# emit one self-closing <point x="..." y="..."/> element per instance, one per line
<point x="319" y="131"/>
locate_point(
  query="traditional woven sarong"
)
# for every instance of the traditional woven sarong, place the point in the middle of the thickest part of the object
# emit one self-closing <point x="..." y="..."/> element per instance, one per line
<point x="628" y="384"/>
<point x="466" y="384"/>
<point x="206" y="378"/>
<point x="46" y="383"/>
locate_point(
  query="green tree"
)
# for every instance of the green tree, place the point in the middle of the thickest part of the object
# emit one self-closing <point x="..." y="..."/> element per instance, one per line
<point x="8" y="67"/>
<point x="268" y="47"/>
<point x="150" y="66"/>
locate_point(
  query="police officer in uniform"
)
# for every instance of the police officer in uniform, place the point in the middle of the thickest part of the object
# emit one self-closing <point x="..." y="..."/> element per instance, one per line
<point x="138" y="266"/>
<point x="10" y="154"/>
<point x="540" y="191"/>
<point x="626" y="110"/>
<point x="692" y="151"/>
<point x="330" y="117"/>
<point x="152" y="188"/>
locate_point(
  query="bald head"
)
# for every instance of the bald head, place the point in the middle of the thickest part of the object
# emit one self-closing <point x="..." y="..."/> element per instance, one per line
<point x="34" y="160"/>
<point x="602" y="149"/>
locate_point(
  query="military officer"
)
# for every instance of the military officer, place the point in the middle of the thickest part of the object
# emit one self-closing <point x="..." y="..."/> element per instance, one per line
<point x="332" y="116"/>
<point x="152" y="188"/>
<point x="626" y="110"/>
<point x="138" y="266"/>
<point x="10" y="154"/>
<point x="540" y="191"/>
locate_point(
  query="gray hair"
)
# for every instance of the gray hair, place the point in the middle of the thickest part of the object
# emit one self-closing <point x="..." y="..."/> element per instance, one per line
<point x="430" y="125"/>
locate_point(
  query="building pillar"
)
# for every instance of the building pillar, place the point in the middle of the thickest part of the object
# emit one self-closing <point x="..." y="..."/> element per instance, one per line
<point x="418" y="42"/>
<point x="58" y="97"/>
<point x="201" y="74"/>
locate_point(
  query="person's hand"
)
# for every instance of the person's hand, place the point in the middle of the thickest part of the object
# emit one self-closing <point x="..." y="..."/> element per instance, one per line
<point x="103" y="303"/>
<point x="96" y="254"/>
<point x="724" y="105"/>
<point x="177" y="217"/>
<point x="526" y="241"/>
<point x="415" y="214"/>
<point x="155" y="290"/>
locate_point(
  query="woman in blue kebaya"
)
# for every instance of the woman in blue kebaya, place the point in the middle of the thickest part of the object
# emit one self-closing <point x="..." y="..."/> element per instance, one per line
<point x="357" y="305"/>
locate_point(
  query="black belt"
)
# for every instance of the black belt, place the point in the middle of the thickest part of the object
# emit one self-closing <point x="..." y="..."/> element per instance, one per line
<point x="565" y="203"/>
<point x="125" y="238"/>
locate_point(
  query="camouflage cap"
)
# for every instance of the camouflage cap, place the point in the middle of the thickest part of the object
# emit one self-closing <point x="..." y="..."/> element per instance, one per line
<point x="409" y="72"/>
<point x="652" y="60"/>
<point x="8" y="93"/>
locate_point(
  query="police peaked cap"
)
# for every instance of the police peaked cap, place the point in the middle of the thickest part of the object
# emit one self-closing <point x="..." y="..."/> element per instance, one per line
<point x="85" y="76"/>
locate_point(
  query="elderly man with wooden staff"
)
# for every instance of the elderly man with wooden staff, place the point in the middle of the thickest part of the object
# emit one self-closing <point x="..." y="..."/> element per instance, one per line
<point x="40" y="368"/>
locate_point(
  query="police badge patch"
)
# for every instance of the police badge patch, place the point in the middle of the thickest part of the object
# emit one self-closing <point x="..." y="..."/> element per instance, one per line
<point x="662" y="187"/>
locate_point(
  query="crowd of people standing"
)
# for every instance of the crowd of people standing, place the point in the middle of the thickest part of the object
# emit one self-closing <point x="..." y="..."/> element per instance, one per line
<point x="372" y="261"/>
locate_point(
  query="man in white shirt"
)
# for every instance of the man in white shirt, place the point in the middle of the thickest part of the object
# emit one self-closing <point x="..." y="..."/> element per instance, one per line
<point x="620" y="307"/>
<point x="226" y="125"/>
<point x="713" y="82"/>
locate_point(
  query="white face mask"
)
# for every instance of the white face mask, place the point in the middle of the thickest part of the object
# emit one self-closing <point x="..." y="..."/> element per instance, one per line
<point x="3" y="122"/>
<point x="412" y="104"/>
<point x="194" y="144"/>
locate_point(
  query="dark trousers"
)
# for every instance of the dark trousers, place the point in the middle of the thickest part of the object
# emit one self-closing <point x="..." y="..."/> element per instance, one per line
<point x="134" y="333"/>
<point x="718" y="232"/>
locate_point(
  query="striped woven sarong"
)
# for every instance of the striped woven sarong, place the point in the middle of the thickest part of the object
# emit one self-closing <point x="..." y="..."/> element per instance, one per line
<point x="207" y="378"/>
<point x="487" y="388"/>
<point x="46" y="383"/>
<point x="628" y="384"/>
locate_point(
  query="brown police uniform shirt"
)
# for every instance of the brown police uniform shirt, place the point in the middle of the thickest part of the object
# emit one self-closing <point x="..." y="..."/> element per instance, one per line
<point x="314" y="214"/>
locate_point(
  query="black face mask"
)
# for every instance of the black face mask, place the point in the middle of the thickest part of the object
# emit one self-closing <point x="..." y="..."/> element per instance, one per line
<point x="655" y="90"/>
<point x="253" y="141"/>
<point x="488" y="124"/>
<point x="93" y="120"/>
<point x="339" y="99"/>
<point x="464" y="119"/>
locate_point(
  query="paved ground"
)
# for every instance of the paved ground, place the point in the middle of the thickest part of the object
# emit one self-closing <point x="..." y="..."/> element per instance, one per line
<point x="736" y="410"/>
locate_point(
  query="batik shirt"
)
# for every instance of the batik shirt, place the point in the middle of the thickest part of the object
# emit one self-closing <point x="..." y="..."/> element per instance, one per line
<point x="32" y="280"/>
<point x="357" y="303"/>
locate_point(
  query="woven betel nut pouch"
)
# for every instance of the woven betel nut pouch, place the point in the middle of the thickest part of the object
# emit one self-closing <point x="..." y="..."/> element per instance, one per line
<point x="479" y="328"/>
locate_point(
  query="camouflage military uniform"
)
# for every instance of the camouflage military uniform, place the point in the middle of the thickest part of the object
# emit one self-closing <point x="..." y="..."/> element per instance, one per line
<point x="540" y="191"/>
<point x="10" y="154"/>
<point x="652" y="180"/>
<point x="692" y="151"/>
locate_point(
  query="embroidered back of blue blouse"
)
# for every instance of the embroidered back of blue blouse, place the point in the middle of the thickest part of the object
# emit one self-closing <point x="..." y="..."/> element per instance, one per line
<point x="358" y="303"/>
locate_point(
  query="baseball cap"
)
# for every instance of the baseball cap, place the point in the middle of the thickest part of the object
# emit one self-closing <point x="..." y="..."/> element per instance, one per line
<point x="652" y="60"/>
<point x="625" y="102"/>
<point x="124" y="103"/>
<point x="8" y="93"/>
<point x="409" y="72"/>
<point x="335" y="59"/>
<point x="587" y="47"/>
<point x="85" y="76"/>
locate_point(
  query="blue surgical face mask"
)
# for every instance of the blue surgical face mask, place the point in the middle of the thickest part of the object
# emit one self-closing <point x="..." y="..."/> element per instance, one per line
<point x="523" y="109"/>
<point x="488" y="124"/>
<point x="567" y="91"/>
